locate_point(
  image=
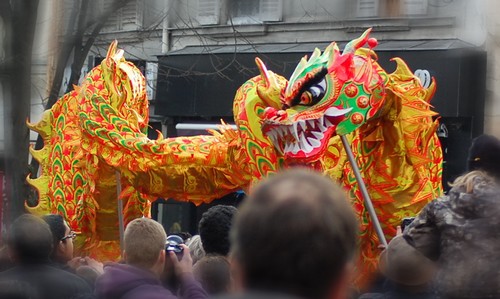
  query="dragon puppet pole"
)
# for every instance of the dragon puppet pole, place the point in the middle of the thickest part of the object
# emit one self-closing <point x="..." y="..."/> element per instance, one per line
<point x="364" y="191"/>
<point x="120" y="209"/>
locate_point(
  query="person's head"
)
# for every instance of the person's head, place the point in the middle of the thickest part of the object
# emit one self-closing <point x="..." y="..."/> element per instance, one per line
<point x="196" y="248"/>
<point x="29" y="240"/>
<point x="214" y="228"/>
<point x="295" y="234"/>
<point x="405" y="265"/>
<point x="62" y="237"/>
<point x="467" y="182"/>
<point x="484" y="155"/>
<point x="144" y="245"/>
<point x="214" y="274"/>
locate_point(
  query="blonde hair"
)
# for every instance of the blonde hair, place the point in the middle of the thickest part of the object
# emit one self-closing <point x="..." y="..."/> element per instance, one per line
<point x="469" y="180"/>
<point x="143" y="241"/>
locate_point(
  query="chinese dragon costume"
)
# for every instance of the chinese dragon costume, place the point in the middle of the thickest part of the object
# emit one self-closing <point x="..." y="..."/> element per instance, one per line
<point x="99" y="130"/>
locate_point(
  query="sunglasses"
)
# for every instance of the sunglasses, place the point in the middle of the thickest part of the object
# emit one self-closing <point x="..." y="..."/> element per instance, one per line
<point x="72" y="235"/>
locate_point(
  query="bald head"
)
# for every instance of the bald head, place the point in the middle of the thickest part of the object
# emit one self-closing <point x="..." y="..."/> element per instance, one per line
<point x="295" y="234"/>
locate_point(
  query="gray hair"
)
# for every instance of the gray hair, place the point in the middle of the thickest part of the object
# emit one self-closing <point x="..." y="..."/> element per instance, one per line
<point x="196" y="248"/>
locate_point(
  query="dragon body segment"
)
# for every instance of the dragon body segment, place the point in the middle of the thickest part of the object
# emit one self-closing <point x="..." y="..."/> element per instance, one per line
<point x="96" y="136"/>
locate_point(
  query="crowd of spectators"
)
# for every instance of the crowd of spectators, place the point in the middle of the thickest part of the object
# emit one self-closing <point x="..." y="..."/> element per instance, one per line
<point x="294" y="237"/>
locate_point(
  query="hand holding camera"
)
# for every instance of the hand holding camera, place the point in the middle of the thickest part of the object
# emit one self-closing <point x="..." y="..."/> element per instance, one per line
<point x="184" y="265"/>
<point x="179" y="255"/>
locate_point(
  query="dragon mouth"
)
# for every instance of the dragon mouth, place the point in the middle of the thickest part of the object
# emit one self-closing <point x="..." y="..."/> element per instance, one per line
<point x="304" y="140"/>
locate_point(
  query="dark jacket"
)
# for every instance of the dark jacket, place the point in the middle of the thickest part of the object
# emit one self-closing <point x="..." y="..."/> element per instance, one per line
<point x="386" y="289"/>
<point x="49" y="282"/>
<point x="127" y="282"/>
<point x="395" y="292"/>
<point x="258" y="295"/>
<point x="398" y="295"/>
<point x="86" y="273"/>
<point x="461" y="232"/>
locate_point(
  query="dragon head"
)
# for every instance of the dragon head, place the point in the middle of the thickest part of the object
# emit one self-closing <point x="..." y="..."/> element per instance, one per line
<point x="331" y="93"/>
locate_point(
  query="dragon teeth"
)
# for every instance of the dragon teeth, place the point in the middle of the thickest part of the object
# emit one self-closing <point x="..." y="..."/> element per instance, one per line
<point x="321" y="126"/>
<point x="312" y="123"/>
<point x="305" y="146"/>
<point x="318" y="135"/>
<point x="328" y="123"/>
<point x="294" y="132"/>
<point x="279" y="148"/>
<point x="298" y="129"/>
<point x="314" y="142"/>
<point x="273" y="135"/>
<point x="281" y="132"/>
<point x="303" y="124"/>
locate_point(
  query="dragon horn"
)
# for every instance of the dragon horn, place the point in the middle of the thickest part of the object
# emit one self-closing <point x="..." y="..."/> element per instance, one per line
<point x="357" y="43"/>
<point x="265" y="74"/>
<point x="269" y="93"/>
<point x="112" y="49"/>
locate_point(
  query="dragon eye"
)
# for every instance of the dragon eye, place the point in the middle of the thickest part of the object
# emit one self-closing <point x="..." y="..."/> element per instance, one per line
<point x="306" y="98"/>
<point x="313" y="94"/>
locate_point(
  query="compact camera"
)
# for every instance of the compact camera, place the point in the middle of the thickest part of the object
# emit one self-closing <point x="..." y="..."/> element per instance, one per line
<point x="173" y="244"/>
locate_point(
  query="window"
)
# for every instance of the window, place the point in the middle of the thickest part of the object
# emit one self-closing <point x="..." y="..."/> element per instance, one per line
<point x="271" y="10"/>
<point x="415" y="7"/>
<point x="208" y="12"/>
<point x="367" y="8"/>
<point x="390" y="8"/>
<point x="128" y="17"/>
<point x="255" y="11"/>
<point x="244" y="8"/>
<point x="151" y="75"/>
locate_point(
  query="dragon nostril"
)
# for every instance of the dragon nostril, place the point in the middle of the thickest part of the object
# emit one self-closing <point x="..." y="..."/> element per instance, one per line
<point x="270" y="112"/>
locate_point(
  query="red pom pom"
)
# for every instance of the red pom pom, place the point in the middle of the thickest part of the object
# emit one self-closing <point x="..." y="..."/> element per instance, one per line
<point x="372" y="42"/>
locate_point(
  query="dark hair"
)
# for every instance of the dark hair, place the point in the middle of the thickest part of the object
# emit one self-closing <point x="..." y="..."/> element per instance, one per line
<point x="295" y="234"/>
<point x="30" y="238"/>
<point x="56" y="224"/>
<point x="214" y="228"/>
<point x="184" y="235"/>
<point x="214" y="274"/>
<point x="484" y="154"/>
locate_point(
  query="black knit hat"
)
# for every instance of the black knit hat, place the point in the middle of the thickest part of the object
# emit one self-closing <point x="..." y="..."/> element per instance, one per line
<point x="484" y="154"/>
